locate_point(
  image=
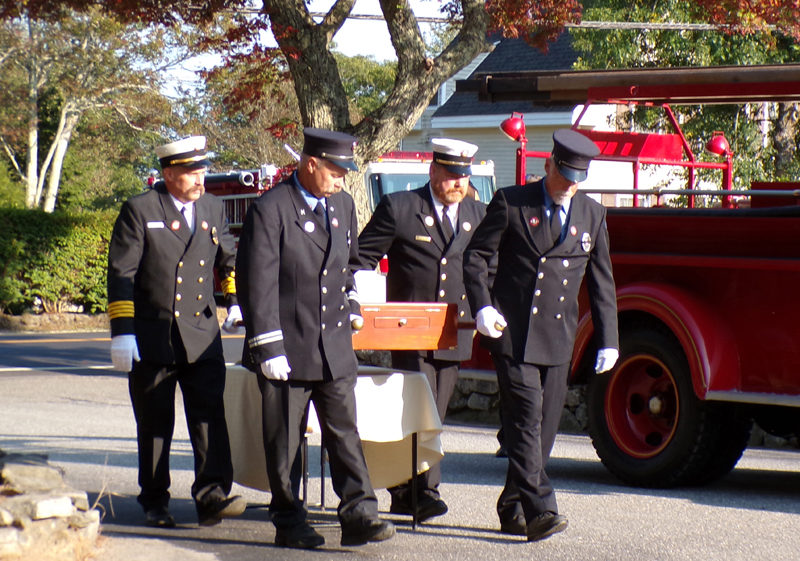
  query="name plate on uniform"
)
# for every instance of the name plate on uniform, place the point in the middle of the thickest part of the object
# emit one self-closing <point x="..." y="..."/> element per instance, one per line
<point x="402" y="326"/>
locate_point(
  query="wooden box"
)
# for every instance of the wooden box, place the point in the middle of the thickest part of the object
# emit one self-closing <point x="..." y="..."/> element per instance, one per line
<point x="397" y="326"/>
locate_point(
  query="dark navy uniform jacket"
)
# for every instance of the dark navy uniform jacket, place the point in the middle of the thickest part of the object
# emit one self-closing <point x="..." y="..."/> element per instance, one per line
<point x="160" y="275"/>
<point x="536" y="285"/>
<point x="422" y="267"/>
<point x="294" y="283"/>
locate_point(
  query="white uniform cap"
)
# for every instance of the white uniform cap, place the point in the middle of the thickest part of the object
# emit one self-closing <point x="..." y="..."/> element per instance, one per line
<point x="188" y="152"/>
<point x="455" y="155"/>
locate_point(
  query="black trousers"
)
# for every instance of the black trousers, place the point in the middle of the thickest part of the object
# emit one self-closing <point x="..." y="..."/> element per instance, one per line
<point x="152" y="390"/>
<point x="285" y="414"/>
<point x="442" y="377"/>
<point x="532" y="398"/>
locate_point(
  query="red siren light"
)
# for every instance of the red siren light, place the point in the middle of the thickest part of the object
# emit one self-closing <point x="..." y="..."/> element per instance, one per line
<point x="514" y="127"/>
<point x="718" y="144"/>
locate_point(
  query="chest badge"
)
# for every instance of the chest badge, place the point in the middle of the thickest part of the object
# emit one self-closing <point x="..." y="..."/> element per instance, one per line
<point x="534" y="221"/>
<point x="586" y="241"/>
<point x="335" y="222"/>
<point x="204" y="225"/>
<point x="175" y="225"/>
<point x="214" y="237"/>
<point x="466" y="226"/>
<point x="309" y="226"/>
<point x="429" y="221"/>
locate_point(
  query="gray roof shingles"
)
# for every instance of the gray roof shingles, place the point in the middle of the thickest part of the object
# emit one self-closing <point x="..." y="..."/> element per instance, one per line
<point x="512" y="55"/>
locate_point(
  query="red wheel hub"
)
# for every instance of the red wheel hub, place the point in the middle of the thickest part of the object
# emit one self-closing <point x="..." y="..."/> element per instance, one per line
<point x="642" y="406"/>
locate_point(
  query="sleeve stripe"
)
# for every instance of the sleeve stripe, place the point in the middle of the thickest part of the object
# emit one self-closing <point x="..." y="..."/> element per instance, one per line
<point x="120" y="309"/>
<point x="265" y="338"/>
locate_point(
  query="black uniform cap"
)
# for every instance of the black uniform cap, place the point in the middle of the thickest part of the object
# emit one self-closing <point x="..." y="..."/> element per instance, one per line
<point x="336" y="147"/>
<point x="572" y="154"/>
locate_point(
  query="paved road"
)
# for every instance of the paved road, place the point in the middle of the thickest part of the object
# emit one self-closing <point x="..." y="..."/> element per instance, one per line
<point x="58" y="397"/>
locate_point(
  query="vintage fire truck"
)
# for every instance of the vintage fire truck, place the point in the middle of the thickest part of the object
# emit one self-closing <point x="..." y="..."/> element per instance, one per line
<point x="238" y="189"/>
<point x="707" y="294"/>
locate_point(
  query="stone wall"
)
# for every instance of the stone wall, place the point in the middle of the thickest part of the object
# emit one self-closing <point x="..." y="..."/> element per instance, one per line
<point x="475" y="400"/>
<point x="41" y="517"/>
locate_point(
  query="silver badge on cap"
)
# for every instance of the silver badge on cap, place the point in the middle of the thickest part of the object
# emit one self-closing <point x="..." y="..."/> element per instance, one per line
<point x="467" y="226"/>
<point x="586" y="241"/>
<point x="309" y="226"/>
<point x="429" y="221"/>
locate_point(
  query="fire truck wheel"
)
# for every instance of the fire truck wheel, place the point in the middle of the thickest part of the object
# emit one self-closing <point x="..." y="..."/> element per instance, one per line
<point x="646" y="424"/>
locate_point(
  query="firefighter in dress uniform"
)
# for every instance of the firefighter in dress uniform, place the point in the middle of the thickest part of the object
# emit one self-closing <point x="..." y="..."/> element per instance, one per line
<point x="164" y="249"/>
<point x="547" y="236"/>
<point x="424" y="233"/>
<point x="296" y="292"/>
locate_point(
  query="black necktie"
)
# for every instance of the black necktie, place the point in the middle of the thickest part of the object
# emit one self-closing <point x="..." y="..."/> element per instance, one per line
<point x="447" y="226"/>
<point x="319" y="210"/>
<point x="555" y="223"/>
<point x="186" y="218"/>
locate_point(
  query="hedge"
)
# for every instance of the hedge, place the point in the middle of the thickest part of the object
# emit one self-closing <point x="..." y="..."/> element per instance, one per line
<point x="59" y="258"/>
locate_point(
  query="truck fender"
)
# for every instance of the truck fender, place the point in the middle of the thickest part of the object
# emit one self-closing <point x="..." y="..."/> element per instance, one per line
<point x="707" y="342"/>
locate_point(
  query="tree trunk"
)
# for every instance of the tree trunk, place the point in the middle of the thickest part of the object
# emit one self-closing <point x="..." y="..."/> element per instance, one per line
<point x="785" y="137"/>
<point x="32" y="171"/>
<point x="320" y="93"/>
<point x="61" y="143"/>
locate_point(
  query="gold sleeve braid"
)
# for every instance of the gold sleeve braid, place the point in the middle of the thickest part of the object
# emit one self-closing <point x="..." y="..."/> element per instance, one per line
<point x="228" y="284"/>
<point x="120" y="309"/>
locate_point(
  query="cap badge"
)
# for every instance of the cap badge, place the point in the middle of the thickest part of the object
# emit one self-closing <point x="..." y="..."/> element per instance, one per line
<point x="429" y="221"/>
<point x="586" y="241"/>
<point x="534" y="221"/>
<point x="204" y="225"/>
<point x="309" y="227"/>
<point x="573" y="230"/>
<point x="335" y="222"/>
<point x="175" y="225"/>
<point x="467" y="226"/>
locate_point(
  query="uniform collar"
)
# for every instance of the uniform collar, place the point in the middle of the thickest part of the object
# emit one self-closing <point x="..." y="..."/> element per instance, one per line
<point x="439" y="205"/>
<point x="548" y="200"/>
<point x="310" y="199"/>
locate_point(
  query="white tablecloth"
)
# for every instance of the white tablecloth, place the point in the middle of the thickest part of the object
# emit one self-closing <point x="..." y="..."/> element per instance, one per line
<point x="391" y="406"/>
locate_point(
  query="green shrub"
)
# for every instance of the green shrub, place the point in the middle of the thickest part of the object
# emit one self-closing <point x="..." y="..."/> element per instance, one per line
<point x="59" y="258"/>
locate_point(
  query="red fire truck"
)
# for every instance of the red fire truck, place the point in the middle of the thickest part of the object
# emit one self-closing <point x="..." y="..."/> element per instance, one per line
<point x="238" y="189"/>
<point x="708" y="308"/>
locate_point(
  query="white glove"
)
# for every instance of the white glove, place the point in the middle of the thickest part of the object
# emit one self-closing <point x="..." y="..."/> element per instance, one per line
<point x="276" y="368"/>
<point x="356" y="322"/>
<point x="123" y="352"/>
<point x="233" y="323"/>
<point x="490" y="322"/>
<point x="606" y="359"/>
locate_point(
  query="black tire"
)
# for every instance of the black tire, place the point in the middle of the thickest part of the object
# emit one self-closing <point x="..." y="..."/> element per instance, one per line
<point x="648" y="427"/>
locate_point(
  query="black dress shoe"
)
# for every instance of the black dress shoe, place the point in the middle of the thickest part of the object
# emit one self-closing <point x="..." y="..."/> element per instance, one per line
<point x="213" y="513"/>
<point x="515" y="526"/>
<point x="301" y="536"/>
<point x="545" y="525"/>
<point x="367" y="530"/>
<point x="159" y="517"/>
<point x="427" y="507"/>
